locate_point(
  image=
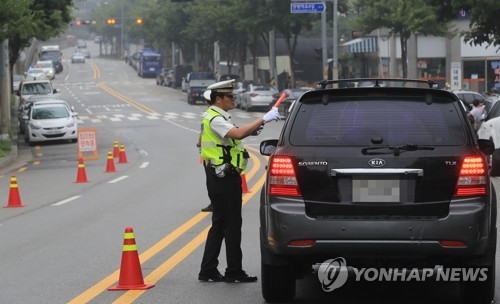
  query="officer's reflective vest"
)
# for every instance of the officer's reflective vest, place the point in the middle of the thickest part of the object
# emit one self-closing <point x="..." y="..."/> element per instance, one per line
<point x="214" y="151"/>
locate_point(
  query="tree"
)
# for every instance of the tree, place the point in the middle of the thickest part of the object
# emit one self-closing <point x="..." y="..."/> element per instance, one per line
<point x="402" y="18"/>
<point x="40" y="19"/>
<point x="484" y="21"/>
<point x="289" y="26"/>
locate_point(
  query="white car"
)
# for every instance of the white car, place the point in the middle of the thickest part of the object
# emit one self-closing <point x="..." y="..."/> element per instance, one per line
<point x="490" y="129"/>
<point x="78" y="57"/>
<point x="35" y="74"/>
<point x="48" y="67"/>
<point x="257" y="96"/>
<point x="29" y="88"/>
<point x="49" y="121"/>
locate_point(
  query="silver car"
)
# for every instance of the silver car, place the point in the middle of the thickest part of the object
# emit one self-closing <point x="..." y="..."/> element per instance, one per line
<point x="78" y="57"/>
<point x="257" y="96"/>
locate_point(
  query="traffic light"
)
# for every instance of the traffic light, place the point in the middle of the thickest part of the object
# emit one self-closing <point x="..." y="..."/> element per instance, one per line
<point x="111" y="21"/>
<point x="138" y="21"/>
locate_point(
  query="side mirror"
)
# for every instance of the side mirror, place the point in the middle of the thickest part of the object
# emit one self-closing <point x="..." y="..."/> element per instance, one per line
<point x="56" y="91"/>
<point x="486" y="146"/>
<point x="267" y="147"/>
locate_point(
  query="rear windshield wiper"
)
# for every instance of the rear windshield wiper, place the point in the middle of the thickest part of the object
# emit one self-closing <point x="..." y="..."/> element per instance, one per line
<point x="395" y="149"/>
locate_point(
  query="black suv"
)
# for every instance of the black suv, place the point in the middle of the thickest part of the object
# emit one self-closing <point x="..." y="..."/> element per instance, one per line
<point x="386" y="175"/>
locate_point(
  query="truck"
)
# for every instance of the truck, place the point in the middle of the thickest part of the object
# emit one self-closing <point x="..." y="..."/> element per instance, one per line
<point x="51" y="52"/>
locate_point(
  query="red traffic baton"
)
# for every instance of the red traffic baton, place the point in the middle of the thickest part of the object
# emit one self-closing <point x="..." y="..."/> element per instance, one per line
<point x="282" y="97"/>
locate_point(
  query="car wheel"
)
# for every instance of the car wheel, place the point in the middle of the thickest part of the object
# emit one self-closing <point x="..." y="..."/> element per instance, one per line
<point x="278" y="283"/>
<point x="278" y="279"/>
<point x="494" y="162"/>
<point x="482" y="292"/>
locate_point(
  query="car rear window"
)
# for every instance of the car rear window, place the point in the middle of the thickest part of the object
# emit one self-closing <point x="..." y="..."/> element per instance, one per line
<point x="359" y="121"/>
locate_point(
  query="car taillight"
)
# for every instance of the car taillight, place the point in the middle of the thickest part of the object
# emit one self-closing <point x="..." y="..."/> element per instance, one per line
<point x="473" y="177"/>
<point x="282" y="179"/>
<point x="253" y="94"/>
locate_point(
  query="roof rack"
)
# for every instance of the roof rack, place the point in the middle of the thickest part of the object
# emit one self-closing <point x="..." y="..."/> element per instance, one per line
<point x="375" y="82"/>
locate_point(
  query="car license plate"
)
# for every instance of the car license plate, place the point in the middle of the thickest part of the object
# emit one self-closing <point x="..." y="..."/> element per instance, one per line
<point x="151" y="69"/>
<point x="53" y="132"/>
<point x="379" y="191"/>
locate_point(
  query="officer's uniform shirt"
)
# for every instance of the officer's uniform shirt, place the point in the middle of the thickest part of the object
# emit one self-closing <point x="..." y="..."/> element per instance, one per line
<point x="221" y="125"/>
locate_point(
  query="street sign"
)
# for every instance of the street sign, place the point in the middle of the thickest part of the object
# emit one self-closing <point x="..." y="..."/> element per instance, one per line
<point x="307" y="7"/>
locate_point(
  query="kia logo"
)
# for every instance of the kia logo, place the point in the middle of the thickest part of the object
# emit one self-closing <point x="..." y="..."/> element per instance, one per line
<point x="376" y="162"/>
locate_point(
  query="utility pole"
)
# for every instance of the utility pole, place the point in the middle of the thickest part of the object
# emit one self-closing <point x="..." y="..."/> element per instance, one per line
<point x="323" y="46"/>
<point x="335" y="68"/>
<point x="5" y="90"/>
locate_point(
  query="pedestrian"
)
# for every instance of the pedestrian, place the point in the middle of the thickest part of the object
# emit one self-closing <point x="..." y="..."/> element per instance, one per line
<point x="225" y="158"/>
<point x="477" y="111"/>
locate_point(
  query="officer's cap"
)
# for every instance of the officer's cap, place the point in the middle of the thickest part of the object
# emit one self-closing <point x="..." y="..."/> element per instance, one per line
<point x="225" y="86"/>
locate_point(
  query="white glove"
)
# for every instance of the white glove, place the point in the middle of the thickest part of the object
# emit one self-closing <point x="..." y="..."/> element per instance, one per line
<point x="271" y="115"/>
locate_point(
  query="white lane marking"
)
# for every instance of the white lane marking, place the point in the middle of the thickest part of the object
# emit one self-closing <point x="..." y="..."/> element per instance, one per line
<point x="66" y="200"/>
<point x="144" y="165"/>
<point x="118" y="179"/>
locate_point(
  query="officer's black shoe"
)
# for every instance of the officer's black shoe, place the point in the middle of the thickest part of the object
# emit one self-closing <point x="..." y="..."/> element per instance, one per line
<point x="239" y="277"/>
<point x="208" y="208"/>
<point x="215" y="277"/>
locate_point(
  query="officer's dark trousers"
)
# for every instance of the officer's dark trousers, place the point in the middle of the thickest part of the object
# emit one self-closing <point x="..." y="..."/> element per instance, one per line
<point x="225" y="195"/>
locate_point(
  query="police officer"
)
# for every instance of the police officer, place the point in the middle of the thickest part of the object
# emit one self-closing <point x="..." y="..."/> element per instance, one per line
<point x="225" y="158"/>
<point x="208" y="208"/>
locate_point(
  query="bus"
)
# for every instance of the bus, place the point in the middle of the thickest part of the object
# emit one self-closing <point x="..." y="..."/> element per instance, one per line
<point x="150" y="63"/>
<point x="51" y="52"/>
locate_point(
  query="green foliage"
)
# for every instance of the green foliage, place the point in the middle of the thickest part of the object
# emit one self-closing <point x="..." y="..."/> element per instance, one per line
<point x="5" y="147"/>
<point x="402" y="18"/>
<point x="484" y="22"/>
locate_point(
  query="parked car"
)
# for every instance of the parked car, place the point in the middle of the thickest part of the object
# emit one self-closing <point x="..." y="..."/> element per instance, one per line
<point x="469" y="96"/>
<point x="48" y="67"/>
<point x="291" y="96"/>
<point x="29" y="88"/>
<point x="86" y="54"/>
<point x="180" y="74"/>
<point x="490" y="129"/>
<point x="196" y="85"/>
<point x="169" y="78"/>
<point x="161" y="77"/>
<point x="77" y="57"/>
<point x="257" y="96"/>
<point x="35" y="73"/>
<point x="24" y="108"/>
<point x="384" y="178"/>
<point x="49" y="121"/>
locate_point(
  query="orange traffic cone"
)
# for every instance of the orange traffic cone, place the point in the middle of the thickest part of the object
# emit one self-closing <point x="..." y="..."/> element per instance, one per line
<point x="116" y="150"/>
<point x="81" y="176"/>
<point x="244" y="186"/>
<point x="14" y="197"/>
<point x="123" y="155"/>
<point x="110" y="165"/>
<point x="130" y="270"/>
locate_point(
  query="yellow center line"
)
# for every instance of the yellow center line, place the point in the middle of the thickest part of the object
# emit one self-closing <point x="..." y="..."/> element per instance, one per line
<point x="103" y="285"/>
<point x="179" y="256"/>
<point x="127" y="100"/>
